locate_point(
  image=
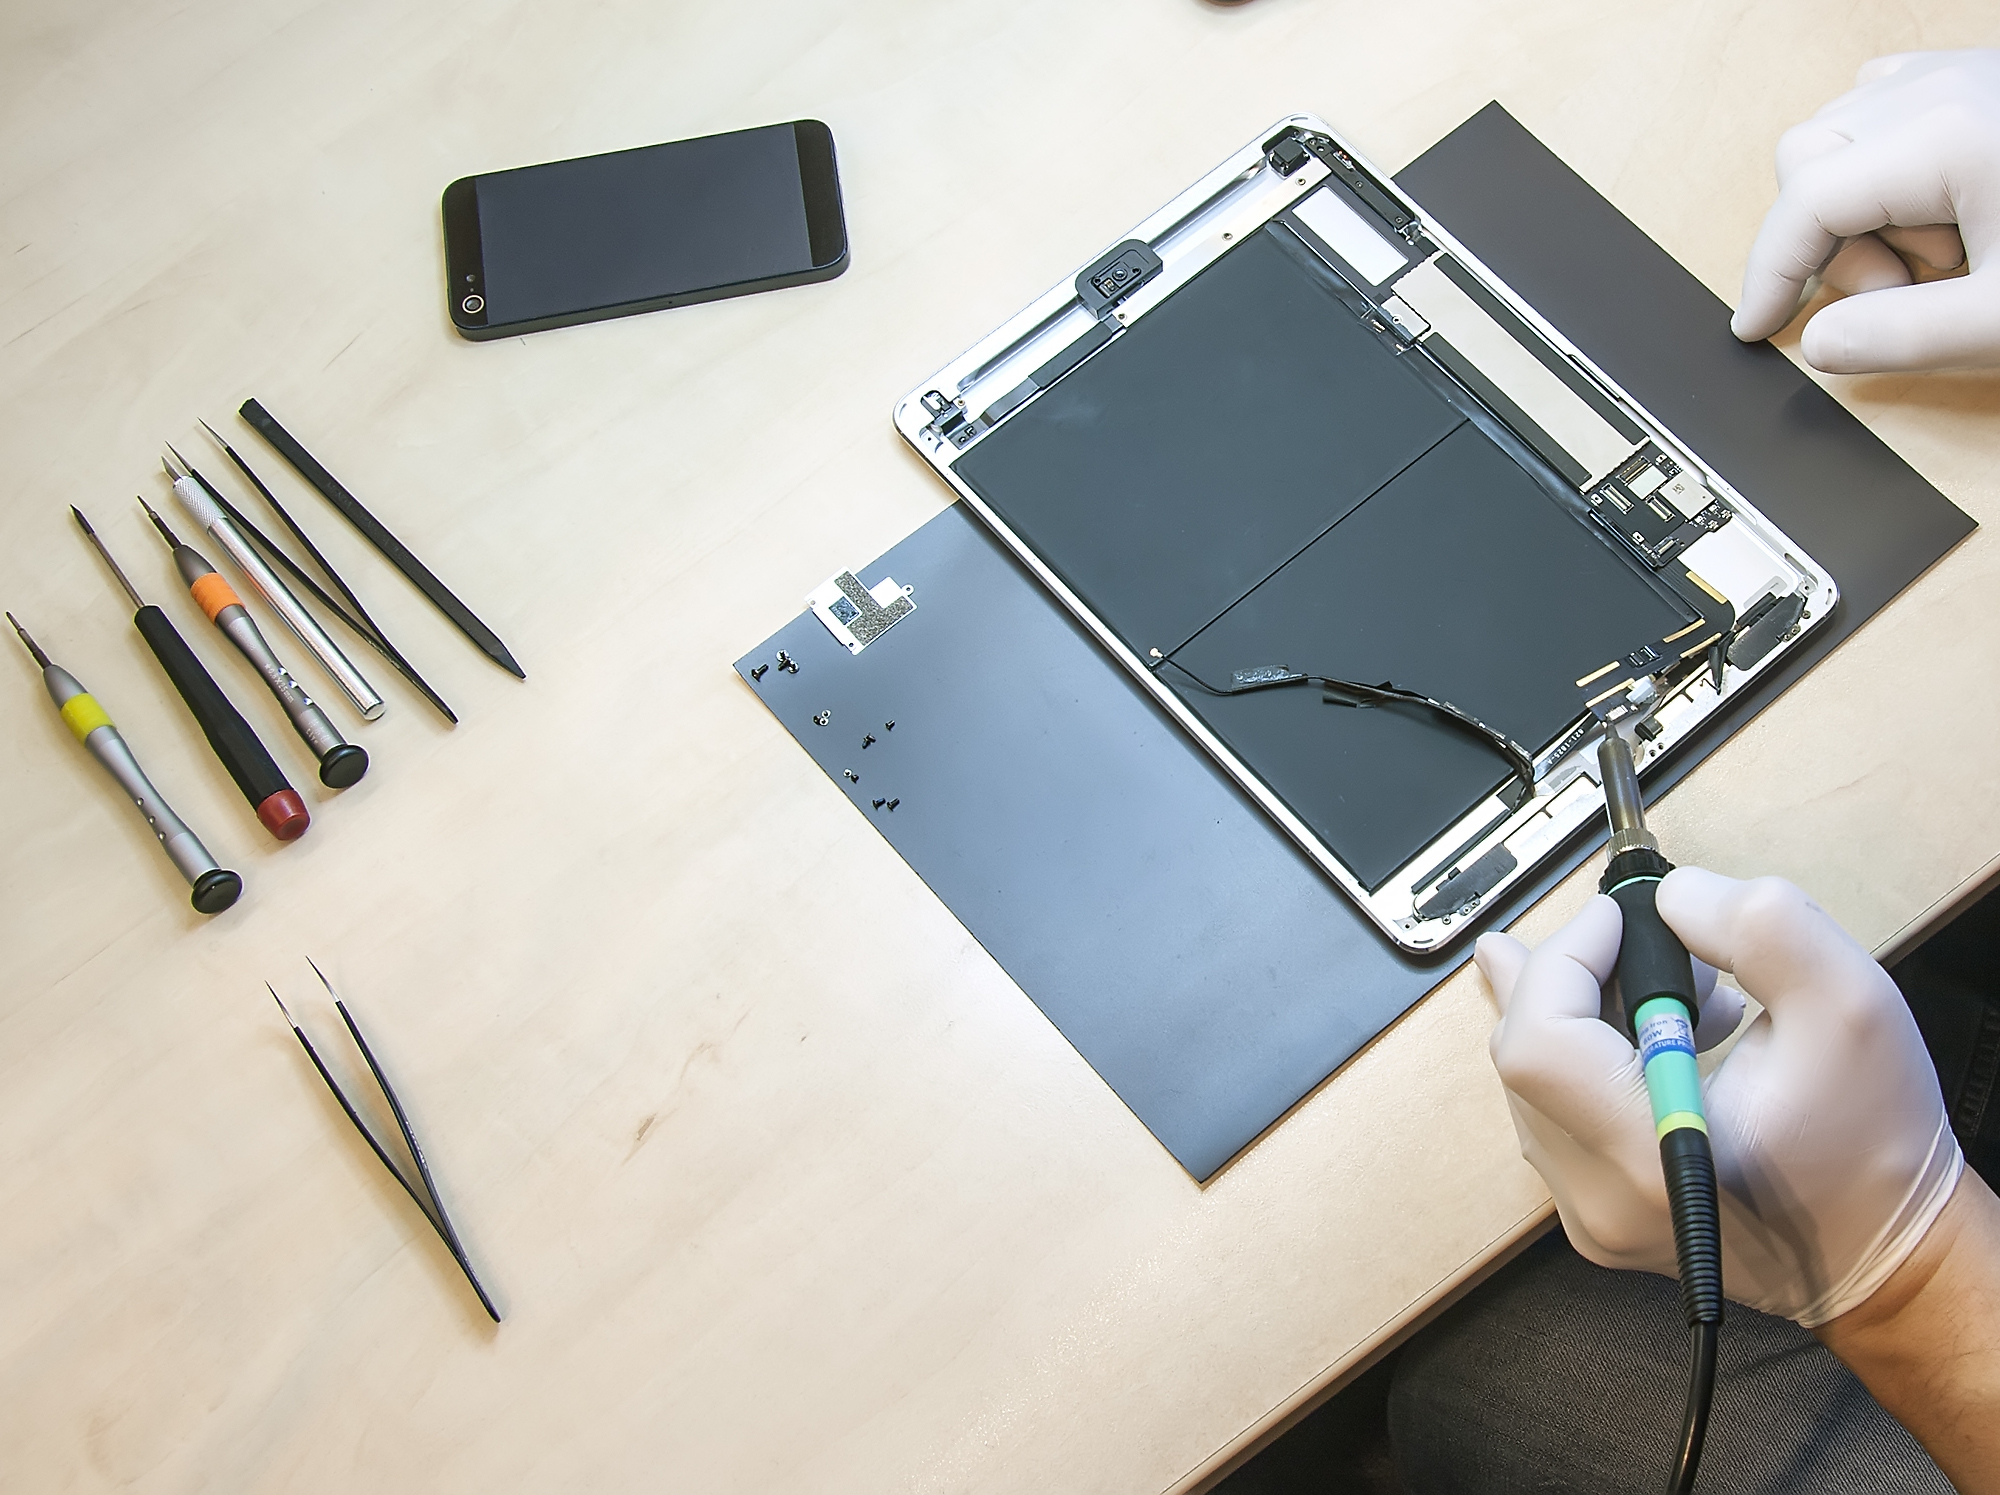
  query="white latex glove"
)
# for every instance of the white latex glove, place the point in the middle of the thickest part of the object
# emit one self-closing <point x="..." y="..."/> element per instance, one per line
<point x="1831" y="1144"/>
<point x="1910" y="161"/>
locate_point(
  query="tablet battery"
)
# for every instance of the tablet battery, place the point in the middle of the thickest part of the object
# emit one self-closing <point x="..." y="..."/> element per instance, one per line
<point x="1252" y="476"/>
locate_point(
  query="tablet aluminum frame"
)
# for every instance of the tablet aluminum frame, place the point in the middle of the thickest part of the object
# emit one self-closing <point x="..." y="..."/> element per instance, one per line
<point x="1220" y="211"/>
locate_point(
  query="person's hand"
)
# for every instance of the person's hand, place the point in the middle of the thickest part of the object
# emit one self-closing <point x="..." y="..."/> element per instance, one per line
<point x="1831" y="1144"/>
<point x="1906" y="164"/>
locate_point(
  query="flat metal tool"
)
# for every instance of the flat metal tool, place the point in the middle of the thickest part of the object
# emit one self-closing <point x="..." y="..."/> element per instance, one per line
<point x="424" y="1192"/>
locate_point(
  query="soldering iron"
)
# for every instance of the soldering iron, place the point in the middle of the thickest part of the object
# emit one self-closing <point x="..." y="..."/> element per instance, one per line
<point x="1657" y="1004"/>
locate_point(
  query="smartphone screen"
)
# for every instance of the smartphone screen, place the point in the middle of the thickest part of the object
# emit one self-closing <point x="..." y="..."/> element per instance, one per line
<point x="637" y="230"/>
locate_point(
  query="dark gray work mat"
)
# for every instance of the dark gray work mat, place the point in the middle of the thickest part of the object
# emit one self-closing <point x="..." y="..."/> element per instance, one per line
<point x="1172" y="933"/>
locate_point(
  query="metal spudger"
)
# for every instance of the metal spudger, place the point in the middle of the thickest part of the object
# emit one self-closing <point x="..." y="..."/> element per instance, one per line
<point x="259" y="778"/>
<point x="364" y="626"/>
<point x="214" y="887"/>
<point x="206" y="513"/>
<point x="427" y="1201"/>
<point x="372" y="528"/>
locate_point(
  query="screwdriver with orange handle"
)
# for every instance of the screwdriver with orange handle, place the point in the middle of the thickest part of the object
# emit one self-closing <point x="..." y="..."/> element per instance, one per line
<point x="341" y="763"/>
<point x="263" y="783"/>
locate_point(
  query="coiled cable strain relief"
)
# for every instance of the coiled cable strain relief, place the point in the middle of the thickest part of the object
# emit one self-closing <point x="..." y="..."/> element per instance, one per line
<point x="1689" y="1166"/>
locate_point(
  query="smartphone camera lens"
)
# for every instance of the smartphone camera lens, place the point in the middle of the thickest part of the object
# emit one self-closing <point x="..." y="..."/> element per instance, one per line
<point x="473" y="305"/>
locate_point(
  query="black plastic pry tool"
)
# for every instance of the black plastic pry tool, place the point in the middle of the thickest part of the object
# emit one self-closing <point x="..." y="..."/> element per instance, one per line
<point x="360" y="623"/>
<point x="372" y="529"/>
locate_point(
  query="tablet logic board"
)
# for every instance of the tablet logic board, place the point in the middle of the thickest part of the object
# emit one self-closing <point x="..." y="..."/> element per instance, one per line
<point x="1383" y="542"/>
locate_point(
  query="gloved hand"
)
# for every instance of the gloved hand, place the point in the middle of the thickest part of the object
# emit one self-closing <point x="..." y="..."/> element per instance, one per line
<point x="1831" y="1145"/>
<point x="1908" y="160"/>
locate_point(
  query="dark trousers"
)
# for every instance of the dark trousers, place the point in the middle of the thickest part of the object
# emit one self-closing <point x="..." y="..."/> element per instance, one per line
<point x="1561" y="1376"/>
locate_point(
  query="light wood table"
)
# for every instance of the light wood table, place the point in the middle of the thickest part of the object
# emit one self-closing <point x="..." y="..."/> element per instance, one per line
<point x="782" y="1187"/>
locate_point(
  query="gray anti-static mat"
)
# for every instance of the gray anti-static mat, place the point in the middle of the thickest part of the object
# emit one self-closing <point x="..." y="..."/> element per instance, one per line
<point x="1161" y="922"/>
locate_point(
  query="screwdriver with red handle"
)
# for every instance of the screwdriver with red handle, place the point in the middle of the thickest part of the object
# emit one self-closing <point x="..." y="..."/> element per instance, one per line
<point x="263" y="783"/>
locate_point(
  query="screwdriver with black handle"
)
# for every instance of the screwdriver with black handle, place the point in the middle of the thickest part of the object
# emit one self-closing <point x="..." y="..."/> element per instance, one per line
<point x="214" y="887"/>
<point x="263" y="783"/>
<point x="341" y="763"/>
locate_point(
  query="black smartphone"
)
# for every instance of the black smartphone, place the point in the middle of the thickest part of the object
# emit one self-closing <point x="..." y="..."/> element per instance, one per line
<point x="638" y="230"/>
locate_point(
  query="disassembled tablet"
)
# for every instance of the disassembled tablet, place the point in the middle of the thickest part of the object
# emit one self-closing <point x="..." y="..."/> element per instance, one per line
<point x="1387" y="546"/>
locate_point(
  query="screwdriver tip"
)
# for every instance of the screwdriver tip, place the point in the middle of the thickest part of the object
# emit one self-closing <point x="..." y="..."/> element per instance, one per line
<point x="158" y="523"/>
<point x="33" y="647"/>
<point x="212" y="432"/>
<point x="116" y="570"/>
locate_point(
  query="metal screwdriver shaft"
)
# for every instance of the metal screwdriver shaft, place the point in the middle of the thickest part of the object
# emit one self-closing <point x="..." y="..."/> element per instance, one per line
<point x="214" y="888"/>
<point x="263" y="783"/>
<point x="341" y="763"/>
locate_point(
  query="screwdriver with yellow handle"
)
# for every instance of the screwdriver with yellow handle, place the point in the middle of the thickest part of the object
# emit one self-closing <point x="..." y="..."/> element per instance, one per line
<point x="214" y="887"/>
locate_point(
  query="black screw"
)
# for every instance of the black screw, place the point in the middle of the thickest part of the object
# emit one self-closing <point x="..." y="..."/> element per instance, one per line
<point x="868" y="739"/>
<point x="758" y="673"/>
<point x="786" y="663"/>
<point x="888" y="726"/>
<point x="879" y="803"/>
<point x="894" y="802"/>
<point x="850" y="775"/>
<point x="823" y="718"/>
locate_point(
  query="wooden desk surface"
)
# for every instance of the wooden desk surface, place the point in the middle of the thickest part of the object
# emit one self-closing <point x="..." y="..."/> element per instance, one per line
<point x="781" y="1189"/>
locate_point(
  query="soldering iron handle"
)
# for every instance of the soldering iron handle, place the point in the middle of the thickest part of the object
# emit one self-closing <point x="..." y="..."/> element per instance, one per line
<point x="1659" y="1007"/>
<point x="1652" y="961"/>
<point x="262" y="782"/>
<point x="1657" y="1000"/>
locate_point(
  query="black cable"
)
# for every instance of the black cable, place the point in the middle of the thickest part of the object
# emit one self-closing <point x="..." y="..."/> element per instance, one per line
<point x="1354" y="693"/>
<point x="1654" y="989"/>
<point x="1694" y="1425"/>
<point x="1689" y="1167"/>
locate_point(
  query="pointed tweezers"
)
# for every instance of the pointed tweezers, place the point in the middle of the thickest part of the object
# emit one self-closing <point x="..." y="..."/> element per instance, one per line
<point x="428" y="1201"/>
